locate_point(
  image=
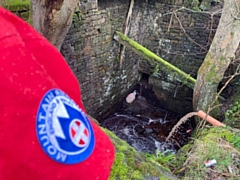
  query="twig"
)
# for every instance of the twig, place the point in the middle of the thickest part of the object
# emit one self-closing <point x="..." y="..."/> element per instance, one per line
<point x="126" y="29"/>
<point x="212" y="14"/>
<point x="235" y="16"/>
<point x="194" y="11"/>
<point x="211" y="107"/>
<point x="224" y="174"/>
<point x="180" y="53"/>
<point x="211" y="29"/>
<point x="184" y="31"/>
<point x="225" y="85"/>
<point x="236" y="5"/>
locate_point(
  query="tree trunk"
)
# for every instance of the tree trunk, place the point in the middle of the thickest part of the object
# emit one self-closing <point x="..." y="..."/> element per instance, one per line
<point x="53" y="18"/>
<point x="218" y="58"/>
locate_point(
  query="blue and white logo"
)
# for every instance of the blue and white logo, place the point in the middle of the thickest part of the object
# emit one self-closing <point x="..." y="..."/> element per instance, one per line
<point x="63" y="130"/>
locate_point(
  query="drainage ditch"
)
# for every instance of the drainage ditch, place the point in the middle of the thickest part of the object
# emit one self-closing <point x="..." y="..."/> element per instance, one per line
<point x="145" y="124"/>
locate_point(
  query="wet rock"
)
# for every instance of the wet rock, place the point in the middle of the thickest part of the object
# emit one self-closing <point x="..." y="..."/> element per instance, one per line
<point x="139" y="129"/>
<point x="145" y="125"/>
<point x="139" y="106"/>
<point x="148" y="130"/>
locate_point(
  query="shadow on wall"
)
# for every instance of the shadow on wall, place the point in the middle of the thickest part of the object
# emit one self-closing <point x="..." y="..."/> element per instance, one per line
<point x="103" y="4"/>
<point x="157" y="96"/>
<point x="174" y="97"/>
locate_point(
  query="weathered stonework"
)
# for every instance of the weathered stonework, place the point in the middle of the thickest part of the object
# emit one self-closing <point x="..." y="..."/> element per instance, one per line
<point x="93" y="55"/>
<point x="179" y="35"/>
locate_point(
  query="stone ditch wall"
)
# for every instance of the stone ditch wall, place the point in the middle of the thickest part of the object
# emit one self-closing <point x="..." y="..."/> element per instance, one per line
<point x="182" y="36"/>
<point x="179" y="35"/>
<point x="93" y="55"/>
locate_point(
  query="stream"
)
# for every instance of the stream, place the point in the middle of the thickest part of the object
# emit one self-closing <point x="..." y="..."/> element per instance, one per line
<point x="144" y="124"/>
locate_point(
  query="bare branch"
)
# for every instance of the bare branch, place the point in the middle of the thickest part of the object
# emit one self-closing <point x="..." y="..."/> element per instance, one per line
<point x="187" y="34"/>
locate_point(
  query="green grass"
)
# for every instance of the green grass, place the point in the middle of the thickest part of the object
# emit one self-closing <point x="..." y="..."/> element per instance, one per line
<point x="15" y="5"/>
<point x="214" y="143"/>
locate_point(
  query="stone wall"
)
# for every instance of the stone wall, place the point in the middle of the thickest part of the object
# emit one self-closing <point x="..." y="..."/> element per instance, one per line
<point x="180" y="36"/>
<point x="93" y="55"/>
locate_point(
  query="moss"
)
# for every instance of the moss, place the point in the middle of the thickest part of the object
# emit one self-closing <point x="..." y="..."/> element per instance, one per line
<point x="232" y="115"/>
<point x="130" y="164"/>
<point x="222" y="58"/>
<point x="156" y="68"/>
<point x="118" y="169"/>
<point x="118" y="60"/>
<point x="25" y="15"/>
<point x="229" y="134"/>
<point x="213" y="143"/>
<point x="17" y="5"/>
<point x="211" y="75"/>
<point x="166" y="66"/>
<point x="130" y="161"/>
<point x="75" y="16"/>
<point x="193" y="4"/>
<point x="225" y="133"/>
<point x="207" y="63"/>
<point x="136" y="175"/>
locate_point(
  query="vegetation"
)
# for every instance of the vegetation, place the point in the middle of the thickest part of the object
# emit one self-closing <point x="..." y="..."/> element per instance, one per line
<point x="161" y="63"/>
<point x="16" y="5"/>
<point x="221" y="53"/>
<point x="130" y="164"/>
<point x="219" y="143"/>
<point x="51" y="18"/>
<point x="232" y="115"/>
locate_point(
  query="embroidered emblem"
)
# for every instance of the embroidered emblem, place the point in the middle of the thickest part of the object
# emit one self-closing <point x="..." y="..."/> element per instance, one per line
<point x="63" y="130"/>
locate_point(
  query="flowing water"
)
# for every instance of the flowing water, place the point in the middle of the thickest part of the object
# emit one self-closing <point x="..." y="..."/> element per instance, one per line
<point x="145" y="126"/>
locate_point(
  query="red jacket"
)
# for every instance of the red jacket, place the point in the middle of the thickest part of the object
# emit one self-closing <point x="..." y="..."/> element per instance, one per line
<point x="44" y="131"/>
